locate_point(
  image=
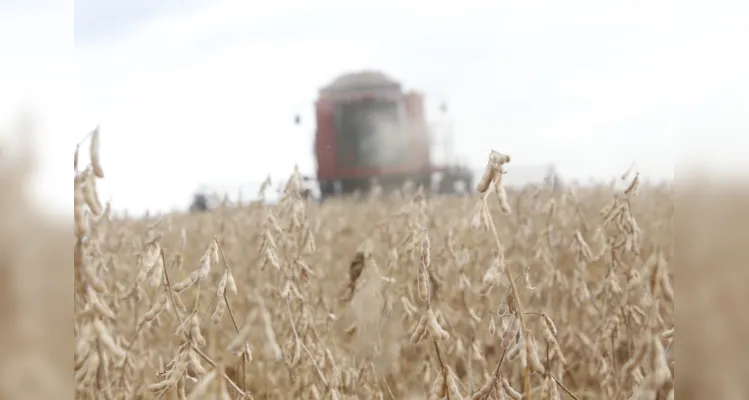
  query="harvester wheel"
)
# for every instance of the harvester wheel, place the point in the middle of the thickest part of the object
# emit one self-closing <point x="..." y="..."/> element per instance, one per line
<point x="452" y="183"/>
<point x="351" y="186"/>
<point x="327" y="189"/>
<point x="447" y="184"/>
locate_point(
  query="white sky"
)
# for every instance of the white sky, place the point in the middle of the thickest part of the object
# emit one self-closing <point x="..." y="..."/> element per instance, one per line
<point x="206" y="95"/>
<point x="36" y="43"/>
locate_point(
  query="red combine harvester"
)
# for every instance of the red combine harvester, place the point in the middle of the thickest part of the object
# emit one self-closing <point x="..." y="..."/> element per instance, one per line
<point x="369" y="129"/>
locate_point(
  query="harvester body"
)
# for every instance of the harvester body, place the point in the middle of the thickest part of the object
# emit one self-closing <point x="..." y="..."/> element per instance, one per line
<point x="369" y="128"/>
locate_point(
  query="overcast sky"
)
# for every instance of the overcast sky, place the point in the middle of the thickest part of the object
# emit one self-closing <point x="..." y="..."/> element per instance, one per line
<point x="204" y="92"/>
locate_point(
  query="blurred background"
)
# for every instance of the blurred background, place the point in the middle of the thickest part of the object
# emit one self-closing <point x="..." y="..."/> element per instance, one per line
<point x="204" y="93"/>
<point x="200" y="93"/>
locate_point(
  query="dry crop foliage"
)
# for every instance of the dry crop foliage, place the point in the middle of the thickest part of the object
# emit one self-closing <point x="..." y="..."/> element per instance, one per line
<point x="534" y="294"/>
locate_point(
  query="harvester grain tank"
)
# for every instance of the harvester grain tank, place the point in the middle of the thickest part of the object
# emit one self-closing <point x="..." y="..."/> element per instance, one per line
<point x="368" y="128"/>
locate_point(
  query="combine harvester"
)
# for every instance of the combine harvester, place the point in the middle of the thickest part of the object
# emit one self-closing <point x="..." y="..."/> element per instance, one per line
<point x="368" y="129"/>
